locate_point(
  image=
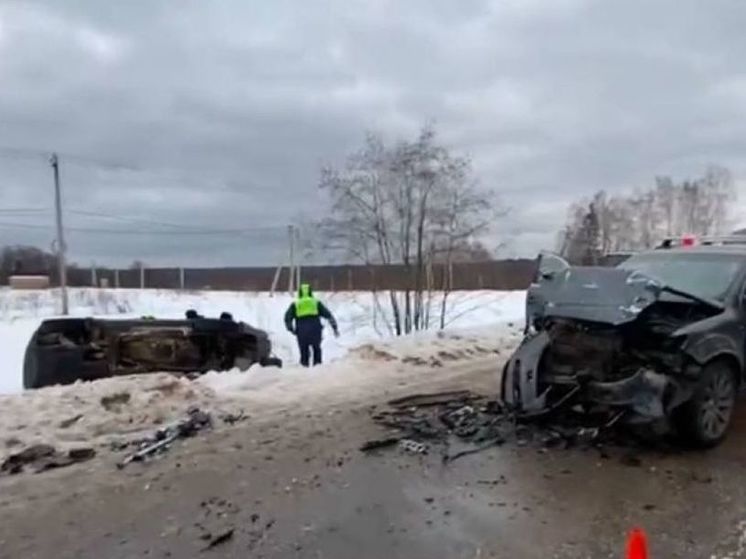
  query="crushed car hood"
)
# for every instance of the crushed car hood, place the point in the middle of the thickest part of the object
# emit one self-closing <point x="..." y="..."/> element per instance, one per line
<point x="612" y="296"/>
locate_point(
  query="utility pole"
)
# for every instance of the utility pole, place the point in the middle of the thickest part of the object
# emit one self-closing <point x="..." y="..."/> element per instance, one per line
<point x="300" y="259"/>
<point x="291" y="269"/>
<point x="61" y="248"/>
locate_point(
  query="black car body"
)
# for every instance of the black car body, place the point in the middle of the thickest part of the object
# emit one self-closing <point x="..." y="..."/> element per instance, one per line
<point x="659" y="337"/>
<point x="62" y="351"/>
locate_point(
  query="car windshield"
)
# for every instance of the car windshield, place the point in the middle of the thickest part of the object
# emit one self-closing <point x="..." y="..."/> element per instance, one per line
<point x="705" y="275"/>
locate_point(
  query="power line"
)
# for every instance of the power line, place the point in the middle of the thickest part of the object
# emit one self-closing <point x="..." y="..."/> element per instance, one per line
<point x="23" y="210"/>
<point x="190" y="229"/>
<point x="195" y="232"/>
<point x="163" y="172"/>
<point x="128" y="219"/>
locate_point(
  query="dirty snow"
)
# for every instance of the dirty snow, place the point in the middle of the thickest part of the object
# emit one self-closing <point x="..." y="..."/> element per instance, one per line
<point x="362" y="359"/>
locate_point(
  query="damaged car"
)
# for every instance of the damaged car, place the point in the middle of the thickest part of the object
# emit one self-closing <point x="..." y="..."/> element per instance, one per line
<point x="63" y="351"/>
<point x="658" y="339"/>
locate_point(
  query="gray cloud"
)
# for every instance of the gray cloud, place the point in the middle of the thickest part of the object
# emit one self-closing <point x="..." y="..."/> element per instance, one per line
<point x="222" y="113"/>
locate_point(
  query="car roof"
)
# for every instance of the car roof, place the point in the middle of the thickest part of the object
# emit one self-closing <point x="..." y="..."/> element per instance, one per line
<point x="701" y="249"/>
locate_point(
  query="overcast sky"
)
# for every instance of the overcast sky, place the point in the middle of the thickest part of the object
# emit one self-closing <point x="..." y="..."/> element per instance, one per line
<point x="217" y="115"/>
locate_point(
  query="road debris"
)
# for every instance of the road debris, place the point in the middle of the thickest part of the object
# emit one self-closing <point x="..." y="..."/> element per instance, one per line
<point x="220" y="538"/>
<point x="462" y="423"/>
<point x="413" y="447"/>
<point x="64" y="424"/>
<point x="376" y="444"/>
<point x="434" y="399"/>
<point x="42" y="457"/>
<point x="196" y="421"/>
<point x="233" y="418"/>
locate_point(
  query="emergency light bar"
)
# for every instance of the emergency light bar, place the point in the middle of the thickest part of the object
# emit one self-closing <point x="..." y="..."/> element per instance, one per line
<point x="692" y="240"/>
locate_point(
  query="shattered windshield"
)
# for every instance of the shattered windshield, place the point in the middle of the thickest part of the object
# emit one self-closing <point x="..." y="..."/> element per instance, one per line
<point x="705" y="275"/>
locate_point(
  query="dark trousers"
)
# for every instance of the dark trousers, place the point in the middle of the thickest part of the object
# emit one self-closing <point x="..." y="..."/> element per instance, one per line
<point x="308" y="344"/>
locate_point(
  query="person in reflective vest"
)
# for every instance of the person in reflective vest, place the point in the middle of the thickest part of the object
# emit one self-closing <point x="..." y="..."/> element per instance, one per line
<point x="303" y="319"/>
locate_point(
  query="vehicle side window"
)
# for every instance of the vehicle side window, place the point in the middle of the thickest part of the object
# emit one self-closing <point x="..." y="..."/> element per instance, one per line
<point x="551" y="264"/>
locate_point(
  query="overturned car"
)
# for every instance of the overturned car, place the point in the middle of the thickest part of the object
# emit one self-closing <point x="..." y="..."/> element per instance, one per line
<point x="62" y="351"/>
<point x="658" y="339"/>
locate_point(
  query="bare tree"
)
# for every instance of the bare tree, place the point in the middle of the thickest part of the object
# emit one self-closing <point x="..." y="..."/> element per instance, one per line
<point x="639" y="220"/>
<point x="411" y="204"/>
<point x="665" y="197"/>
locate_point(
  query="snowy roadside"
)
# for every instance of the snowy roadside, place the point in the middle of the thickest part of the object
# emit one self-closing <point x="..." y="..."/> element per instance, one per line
<point x="362" y="361"/>
<point x="358" y="316"/>
<point x="123" y="408"/>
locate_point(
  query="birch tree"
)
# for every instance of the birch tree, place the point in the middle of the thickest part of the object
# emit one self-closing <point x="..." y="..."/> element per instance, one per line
<point x="411" y="204"/>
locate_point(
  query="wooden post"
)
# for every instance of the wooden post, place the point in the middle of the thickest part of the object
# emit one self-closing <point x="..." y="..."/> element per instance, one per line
<point x="182" y="278"/>
<point x="116" y="278"/>
<point x="142" y="275"/>
<point x="94" y="279"/>
<point x="275" y="280"/>
<point x="291" y="272"/>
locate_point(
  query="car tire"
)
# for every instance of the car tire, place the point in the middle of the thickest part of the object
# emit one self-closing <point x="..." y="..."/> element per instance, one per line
<point x="271" y="362"/>
<point x="504" y="381"/>
<point x="703" y="420"/>
<point x="31" y="377"/>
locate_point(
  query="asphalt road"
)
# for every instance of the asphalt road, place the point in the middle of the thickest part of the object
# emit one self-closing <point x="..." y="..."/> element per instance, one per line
<point x="293" y="484"/>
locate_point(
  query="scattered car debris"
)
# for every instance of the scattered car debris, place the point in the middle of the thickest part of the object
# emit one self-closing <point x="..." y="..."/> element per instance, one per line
<point x="376" y="444"/>
<point x="43" y="457"/>
<point x="15" y="462"/>
<point x="216" y="525"/>
<point x="196" y="421"/>
<point x="412" y="447"/>
<point x="422" y="400"/>
<point x="220" y="538"/>
<point x="233" y="418"/>
<point x="461" y="423"/>
<point x="447" y="458"/>
<point x="64" y="424"/>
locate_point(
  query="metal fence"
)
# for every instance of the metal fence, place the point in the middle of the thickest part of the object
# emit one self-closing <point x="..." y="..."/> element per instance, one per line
<point x="499" y="274"/>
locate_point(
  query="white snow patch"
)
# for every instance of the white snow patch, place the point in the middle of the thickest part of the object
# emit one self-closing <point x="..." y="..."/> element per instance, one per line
<point x="123" y="408"/>
<point x="358" y="315"/>
<point x="361" y="362"/>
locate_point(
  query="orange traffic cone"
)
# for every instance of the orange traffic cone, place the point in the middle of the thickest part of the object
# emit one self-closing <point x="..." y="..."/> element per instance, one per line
<point x="637" y="545"/>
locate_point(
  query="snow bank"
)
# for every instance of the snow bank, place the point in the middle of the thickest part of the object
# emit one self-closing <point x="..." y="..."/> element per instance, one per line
<point x="361" y="318"/>
<point x="123" y="408"/>
<point x="369" y="368"/>
<point x="98" y="412"/>
<point x="364" y="360"/>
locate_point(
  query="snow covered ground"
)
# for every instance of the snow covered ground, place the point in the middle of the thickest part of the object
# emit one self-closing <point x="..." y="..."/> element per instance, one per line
<point x="481" y="324"/>
<point x="361" y="320"/>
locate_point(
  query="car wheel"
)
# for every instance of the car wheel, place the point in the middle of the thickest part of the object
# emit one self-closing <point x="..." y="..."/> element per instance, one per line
<point x="271" y="362"/>
<point x="703" y="421"/>
<point x="504" y="381"/>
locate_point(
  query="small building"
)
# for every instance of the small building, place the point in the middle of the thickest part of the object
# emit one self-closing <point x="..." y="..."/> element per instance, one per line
<point x="28" y="282"/>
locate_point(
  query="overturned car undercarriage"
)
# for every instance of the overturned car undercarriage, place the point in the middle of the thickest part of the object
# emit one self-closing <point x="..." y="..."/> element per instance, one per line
<point x="63" y="351"/>
<point x="615" y="340"/>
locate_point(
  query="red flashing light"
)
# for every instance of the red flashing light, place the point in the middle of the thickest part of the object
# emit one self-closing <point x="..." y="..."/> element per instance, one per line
<point x="688" y="240"/>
